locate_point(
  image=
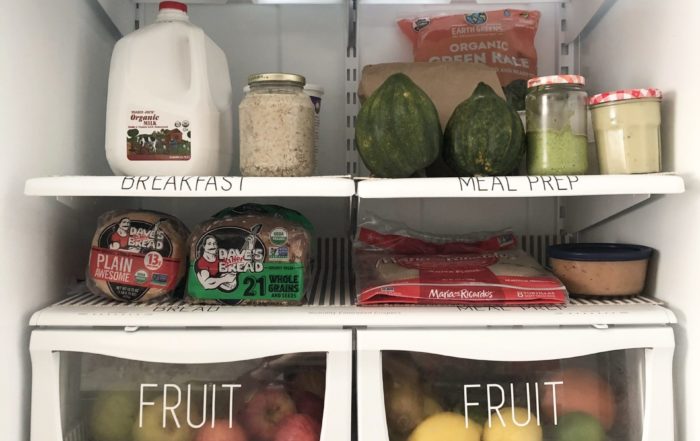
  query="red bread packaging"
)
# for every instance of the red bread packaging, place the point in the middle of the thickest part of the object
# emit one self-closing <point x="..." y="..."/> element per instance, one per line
<point x="137" y="256"/>
<point x="397" y="265"/>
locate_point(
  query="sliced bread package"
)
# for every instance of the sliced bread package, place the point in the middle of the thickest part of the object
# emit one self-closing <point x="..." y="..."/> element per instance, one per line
<point x="137" y="256"/>
<point x="259" y="254"/>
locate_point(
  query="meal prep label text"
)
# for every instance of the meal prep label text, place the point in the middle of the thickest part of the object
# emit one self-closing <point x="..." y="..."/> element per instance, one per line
<point x="515" y="184"/>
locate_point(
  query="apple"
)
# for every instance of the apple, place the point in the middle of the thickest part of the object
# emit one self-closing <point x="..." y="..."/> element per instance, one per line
<point x="309" y="404"/>
<point x="265" y="410"/>
<point x="153" y="428"/>
<point x="404" y="408"/>
<point x="112" y="415"/>
<point x="583" y="390"/>
<point x="221" y="432"/>
<point x="312" y="380"/>
<point x="298" y="427"/>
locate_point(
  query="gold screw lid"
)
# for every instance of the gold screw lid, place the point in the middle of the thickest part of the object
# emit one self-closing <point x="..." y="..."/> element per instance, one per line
<point x="276" y="77"/>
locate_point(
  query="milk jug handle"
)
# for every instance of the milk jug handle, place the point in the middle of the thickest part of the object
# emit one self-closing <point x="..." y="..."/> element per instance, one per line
<point x="198" y="63"/>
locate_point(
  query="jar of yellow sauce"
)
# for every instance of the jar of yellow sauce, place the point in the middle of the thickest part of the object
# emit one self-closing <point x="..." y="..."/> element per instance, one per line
<point x="627" y="128"/>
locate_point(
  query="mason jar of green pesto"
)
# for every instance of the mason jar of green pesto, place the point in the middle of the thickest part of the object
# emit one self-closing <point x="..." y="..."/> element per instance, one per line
<point x="555" y="108"/>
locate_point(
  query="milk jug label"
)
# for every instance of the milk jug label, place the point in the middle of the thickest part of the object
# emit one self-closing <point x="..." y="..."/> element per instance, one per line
<point x="157" y="136"/>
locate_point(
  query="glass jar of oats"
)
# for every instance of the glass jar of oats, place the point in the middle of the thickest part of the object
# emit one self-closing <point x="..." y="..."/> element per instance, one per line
<point x="276" y="120"/>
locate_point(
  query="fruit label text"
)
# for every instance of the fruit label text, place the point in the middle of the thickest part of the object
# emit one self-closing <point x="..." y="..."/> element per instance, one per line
<point x="177" y="407"/>
<point x="496" y="402"/>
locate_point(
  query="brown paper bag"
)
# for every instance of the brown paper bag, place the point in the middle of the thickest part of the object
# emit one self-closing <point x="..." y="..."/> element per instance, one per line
<point x="447" y="84"/>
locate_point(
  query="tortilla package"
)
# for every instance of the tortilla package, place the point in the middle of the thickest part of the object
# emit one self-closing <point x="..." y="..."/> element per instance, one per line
<point x="504" y="39"/>
<point x="395" y="265"/>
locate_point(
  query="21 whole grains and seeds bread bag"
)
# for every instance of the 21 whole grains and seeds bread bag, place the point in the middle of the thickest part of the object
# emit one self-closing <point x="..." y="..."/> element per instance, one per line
<point x="250" y="254"/>
<point x="503" y="39"/>
<point x="396" y="265"/>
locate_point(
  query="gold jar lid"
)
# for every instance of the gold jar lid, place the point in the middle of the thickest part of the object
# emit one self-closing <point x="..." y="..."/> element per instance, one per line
<point x="276" y="77"/>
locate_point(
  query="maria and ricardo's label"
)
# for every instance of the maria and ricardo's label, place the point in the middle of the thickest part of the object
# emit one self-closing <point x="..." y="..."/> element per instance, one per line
<point x="234" y="264"/>
<point x="157" y="136"/>
<point x="133" y="256"/>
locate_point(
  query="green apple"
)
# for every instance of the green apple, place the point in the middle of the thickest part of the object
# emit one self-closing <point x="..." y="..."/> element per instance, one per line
<point x="579" y="426"/>
<point x="153" y="429"/>
<point x="112" y="415"/>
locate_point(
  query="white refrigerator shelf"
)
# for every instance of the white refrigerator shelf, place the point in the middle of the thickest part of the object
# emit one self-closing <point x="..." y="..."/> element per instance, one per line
<point x="87" y="310"/>
<point x="330" y="297"/>
<point x="520" y="186"/>
<point x="190" y="186"/>
<point x="344" y="186"/>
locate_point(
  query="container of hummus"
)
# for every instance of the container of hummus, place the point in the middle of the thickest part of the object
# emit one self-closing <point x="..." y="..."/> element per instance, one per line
<point x="627" y="127"/>
<point x="600" y="269"/>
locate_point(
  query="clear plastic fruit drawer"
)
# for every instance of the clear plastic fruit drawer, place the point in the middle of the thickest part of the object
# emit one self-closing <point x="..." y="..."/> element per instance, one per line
<point x="575" y="384"/>
<point x="191" y="385"/>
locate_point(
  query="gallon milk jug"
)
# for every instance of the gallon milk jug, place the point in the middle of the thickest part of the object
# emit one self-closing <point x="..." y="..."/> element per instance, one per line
<point x="169" y="101"/>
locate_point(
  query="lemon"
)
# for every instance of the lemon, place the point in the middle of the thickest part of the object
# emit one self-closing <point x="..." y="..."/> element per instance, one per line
<point x="446" y="426"/>
<point x="511" y="431"/>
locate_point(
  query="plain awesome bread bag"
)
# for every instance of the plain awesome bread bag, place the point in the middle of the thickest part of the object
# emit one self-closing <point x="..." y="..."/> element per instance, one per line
<point x="137" y="256"/>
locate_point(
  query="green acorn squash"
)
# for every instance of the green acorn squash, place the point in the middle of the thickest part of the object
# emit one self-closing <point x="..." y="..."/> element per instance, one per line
<point x="484" y="136"/>
<point x="397" y="130"/>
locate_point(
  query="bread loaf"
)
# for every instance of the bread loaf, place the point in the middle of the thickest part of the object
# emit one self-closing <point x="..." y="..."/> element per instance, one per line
<point x="250" y="254"/>
<point x="137" y="256"/>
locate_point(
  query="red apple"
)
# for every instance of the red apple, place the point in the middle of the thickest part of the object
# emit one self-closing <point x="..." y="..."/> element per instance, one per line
<point x="309" y="404"/>
<point x="265" y="410"/>
<point x="298" y="427"/>
<point x="221" y="432"/>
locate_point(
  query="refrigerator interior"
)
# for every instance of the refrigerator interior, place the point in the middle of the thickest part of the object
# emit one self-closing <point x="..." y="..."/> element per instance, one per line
<point x="56" y="62"/>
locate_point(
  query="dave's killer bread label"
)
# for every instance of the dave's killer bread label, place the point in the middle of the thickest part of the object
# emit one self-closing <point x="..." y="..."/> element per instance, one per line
<point x="235" y="264"/>
<point x="157" y="136"/>
<point x="133" y="257"/>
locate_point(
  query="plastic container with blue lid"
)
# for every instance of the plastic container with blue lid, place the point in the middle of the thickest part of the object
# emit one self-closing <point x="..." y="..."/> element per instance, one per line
<point x="600" y="269"/>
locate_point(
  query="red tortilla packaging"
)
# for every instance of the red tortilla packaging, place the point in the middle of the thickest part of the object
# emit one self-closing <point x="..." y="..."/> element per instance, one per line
<point x="504" y="39"/>
<point x="137" y="256"/>
<point x="395" y="265"/>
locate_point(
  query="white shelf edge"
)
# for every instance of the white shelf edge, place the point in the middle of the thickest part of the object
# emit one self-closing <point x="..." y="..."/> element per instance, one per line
<point x="344" y="186"/>
<point x="192" y="186"/>
<point x="520" y="186"/>
<point x="91" y="312"/>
